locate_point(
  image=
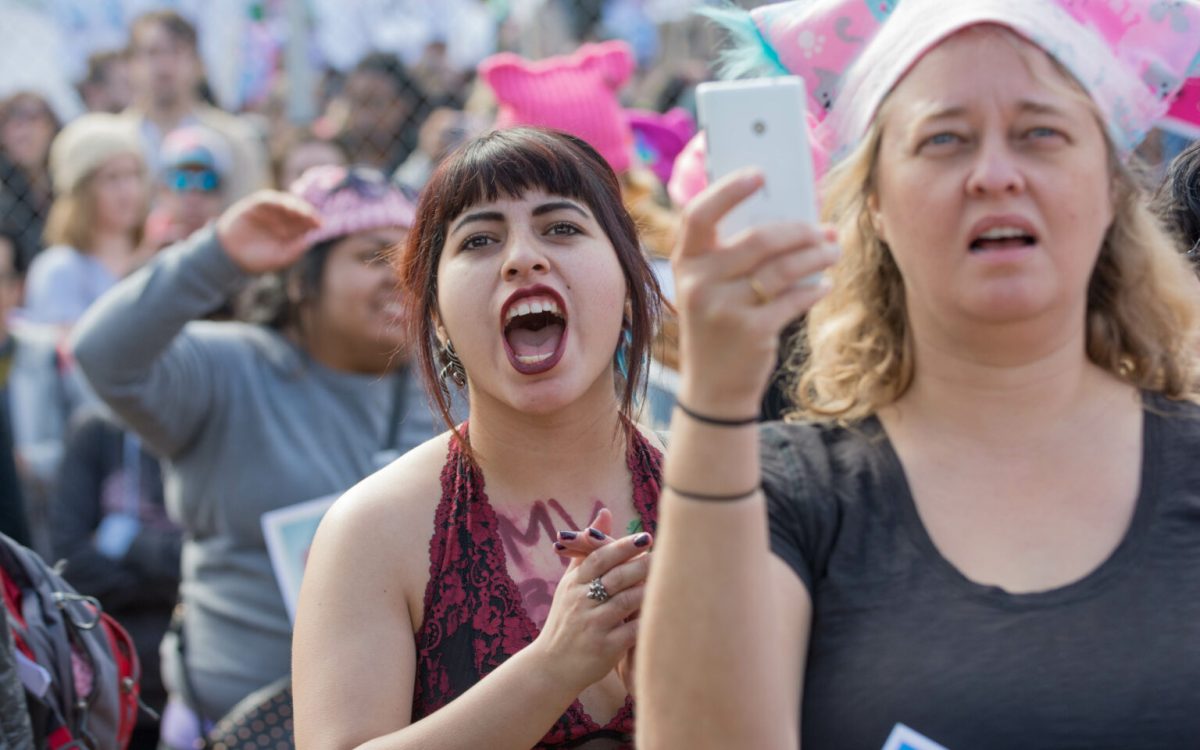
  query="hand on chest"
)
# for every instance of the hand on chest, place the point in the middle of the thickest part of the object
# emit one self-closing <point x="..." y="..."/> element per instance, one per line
<point x="527" y="535"/>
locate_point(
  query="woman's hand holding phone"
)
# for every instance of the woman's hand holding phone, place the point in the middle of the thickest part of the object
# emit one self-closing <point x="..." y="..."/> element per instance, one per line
<point x="735" y="296"/>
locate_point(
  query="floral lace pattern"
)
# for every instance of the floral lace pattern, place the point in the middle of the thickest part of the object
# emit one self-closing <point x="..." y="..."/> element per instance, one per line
<point x="475" y="618"/>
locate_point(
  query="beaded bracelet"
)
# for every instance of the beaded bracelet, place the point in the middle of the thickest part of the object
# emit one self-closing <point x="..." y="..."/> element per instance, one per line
<point x="705" y="497"/>
<point x="717" y="421"/>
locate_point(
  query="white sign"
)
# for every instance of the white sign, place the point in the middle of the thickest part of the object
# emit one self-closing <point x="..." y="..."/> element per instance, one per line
<point x="289" y="534"/>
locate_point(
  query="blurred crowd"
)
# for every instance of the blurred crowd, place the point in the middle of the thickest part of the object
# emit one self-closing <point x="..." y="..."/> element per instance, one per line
<point x="126" y="126"/>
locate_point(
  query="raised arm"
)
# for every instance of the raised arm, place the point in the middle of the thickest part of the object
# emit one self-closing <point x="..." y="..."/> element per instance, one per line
<point x="130" y="344"/>
<point x="725" y="623"/>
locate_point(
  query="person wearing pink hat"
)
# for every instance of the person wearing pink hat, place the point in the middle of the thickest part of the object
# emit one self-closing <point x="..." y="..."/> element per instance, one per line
<point x="251" y="417"/>
<point x="980" y="528"/>
<point x="525" y="288"/>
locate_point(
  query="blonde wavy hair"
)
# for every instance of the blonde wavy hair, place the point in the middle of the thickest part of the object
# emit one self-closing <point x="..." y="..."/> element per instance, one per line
<point x="72" y="218"/>
<point x="856" y="353"/>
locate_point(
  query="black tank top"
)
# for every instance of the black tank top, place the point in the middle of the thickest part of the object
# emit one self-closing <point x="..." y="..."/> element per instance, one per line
<point x="900" y="636"/>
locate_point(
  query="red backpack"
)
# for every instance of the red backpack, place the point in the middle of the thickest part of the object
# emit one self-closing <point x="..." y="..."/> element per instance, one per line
<point x="78" y="665"/>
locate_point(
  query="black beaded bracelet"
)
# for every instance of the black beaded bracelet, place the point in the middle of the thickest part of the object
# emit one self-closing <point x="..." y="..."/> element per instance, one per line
<point x="713" y="498"/>
<point x="718" y="421"/>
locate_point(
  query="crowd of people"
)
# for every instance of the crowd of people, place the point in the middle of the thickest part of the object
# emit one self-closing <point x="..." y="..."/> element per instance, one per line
<point x="469" y="299"/>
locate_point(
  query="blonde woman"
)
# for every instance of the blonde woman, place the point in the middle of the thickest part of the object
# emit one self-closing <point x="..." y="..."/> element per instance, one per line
<point x="95" y="223"/>
<point x="985" y="530"/>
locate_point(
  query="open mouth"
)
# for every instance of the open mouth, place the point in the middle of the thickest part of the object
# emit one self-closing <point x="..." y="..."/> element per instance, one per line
<point x="535" y="330"/>
<point x="1002" y="238"/>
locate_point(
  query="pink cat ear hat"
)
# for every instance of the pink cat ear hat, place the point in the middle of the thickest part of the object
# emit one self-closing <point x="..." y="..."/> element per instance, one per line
<point x="660" y="138"/>
<point x="574" y="93"/>
<point x="1132" y="57"/>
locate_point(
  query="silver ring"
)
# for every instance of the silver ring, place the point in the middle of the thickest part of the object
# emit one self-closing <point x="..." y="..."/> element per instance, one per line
<point x="596" y="591"/>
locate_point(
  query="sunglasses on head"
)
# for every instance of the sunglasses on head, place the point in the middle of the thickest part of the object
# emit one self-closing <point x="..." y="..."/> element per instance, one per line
<point x="193" y="180"/>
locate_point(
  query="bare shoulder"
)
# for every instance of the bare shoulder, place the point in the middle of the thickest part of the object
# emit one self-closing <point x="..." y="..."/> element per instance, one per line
<point x="408" y="486"/>
<point x="383" y="524"/>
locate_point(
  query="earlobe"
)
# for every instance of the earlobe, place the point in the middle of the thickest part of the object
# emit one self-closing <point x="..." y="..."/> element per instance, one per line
<point x="876" y="216"/>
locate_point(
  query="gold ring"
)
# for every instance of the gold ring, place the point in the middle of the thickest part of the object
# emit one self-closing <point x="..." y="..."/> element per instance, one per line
<point x="760" y="294"/>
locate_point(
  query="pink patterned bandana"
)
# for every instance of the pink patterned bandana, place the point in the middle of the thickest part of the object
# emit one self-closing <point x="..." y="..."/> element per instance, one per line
<point x="352" y="199"/>
<point x="1131" y="56"/>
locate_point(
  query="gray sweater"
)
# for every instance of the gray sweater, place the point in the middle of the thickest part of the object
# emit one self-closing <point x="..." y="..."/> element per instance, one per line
<point x="247" y="423"/>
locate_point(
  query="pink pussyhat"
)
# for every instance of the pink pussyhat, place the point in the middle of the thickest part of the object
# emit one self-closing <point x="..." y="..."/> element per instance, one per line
<point x="851" y="53"/>
<point x="576" y="93"/>
<point x="660" y="138"/>
<point x="352" y="199"/>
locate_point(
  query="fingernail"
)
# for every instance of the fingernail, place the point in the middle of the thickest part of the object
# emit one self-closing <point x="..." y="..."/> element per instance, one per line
<point x="568" y="535"/>
<point x="596" y="534"/>
<point x="559" y="546"/>
<point x="641" y="540"/>
<point x="751" y="176"/>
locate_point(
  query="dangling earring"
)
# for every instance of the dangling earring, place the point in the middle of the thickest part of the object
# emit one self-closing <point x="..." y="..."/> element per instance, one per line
<point x="452" y="366"/>
<point x="623" y="348"/>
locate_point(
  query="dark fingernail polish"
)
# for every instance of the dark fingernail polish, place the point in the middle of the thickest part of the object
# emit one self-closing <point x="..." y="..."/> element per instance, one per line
<point x="559" y="546"/>
<point x="568" y="535"/>
<point x="596" y="534"/>
<point x="641" y="540"/>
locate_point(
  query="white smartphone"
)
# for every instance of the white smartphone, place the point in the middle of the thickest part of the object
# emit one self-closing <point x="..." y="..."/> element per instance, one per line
<point x="760" y="122"/>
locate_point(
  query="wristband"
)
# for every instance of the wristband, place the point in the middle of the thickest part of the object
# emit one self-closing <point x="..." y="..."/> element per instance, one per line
<point x="705" y="497"/>
<point x="716" y="421"/>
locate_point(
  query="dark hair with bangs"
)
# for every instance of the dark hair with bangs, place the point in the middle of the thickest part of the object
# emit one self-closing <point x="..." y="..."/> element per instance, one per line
<point x="507" y="164"/>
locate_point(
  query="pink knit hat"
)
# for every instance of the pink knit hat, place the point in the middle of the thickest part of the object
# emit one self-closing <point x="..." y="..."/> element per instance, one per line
<point x="660" y="137"/>
<point x="352" y="199"/>
<point x="576" y="93"/>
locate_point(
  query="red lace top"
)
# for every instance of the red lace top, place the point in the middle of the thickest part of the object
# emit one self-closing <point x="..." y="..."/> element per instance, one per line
<point x="474" y="615"/>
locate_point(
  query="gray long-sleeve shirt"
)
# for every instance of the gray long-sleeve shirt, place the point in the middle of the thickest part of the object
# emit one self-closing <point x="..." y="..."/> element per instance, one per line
<point x="247" y="423"/>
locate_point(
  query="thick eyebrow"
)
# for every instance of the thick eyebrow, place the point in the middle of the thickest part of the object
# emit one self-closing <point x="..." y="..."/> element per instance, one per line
<point x="553" y="206"/>
<point x="478" y="216"/>
<point x="544" y="208"/>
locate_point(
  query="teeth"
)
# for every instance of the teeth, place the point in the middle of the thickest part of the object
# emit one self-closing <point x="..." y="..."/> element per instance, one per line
<point x="532" y="306"/>
<point x="1003" y="233"/>
<point x="533" y="359"/>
